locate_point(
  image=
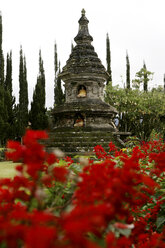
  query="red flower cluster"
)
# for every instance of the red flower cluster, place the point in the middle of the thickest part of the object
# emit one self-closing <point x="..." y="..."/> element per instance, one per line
<point x="106" y="209"/>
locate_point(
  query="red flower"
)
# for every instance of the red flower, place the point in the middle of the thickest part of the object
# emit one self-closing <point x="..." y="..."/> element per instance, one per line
<point x="69" y="160"/>
<point x="60" y="173"/>
<point x="100" y="152"/>
<point x="112" y="147"/>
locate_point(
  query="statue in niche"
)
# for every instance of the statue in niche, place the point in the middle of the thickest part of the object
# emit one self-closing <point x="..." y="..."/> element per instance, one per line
<point x="79" y="121"/>
<point x="82" y="91"/>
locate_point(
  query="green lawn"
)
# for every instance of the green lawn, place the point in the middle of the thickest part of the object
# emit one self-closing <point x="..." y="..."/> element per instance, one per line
<point x="7" y="169"/>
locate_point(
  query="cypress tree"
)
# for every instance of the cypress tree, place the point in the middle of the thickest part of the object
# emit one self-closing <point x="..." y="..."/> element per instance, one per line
<point x="108" y="59"/>
<point x="55" y="70"/>
<point x="23" y="95"/>
<point x="127" y="72"/>
<point x="3" y="113"/>
<point x="42" y="78"/>
<point x="145" y="84"/>
<point x="59" y="95"/>
<point x="10" y="101"/>
<point x="1" y="55"/>
<point x="26" y="100"/>
<point x="143" y="76"/>
<point x="72" y="46"/>
<point x="38" y="116"/>
<point x="8" y="79"/>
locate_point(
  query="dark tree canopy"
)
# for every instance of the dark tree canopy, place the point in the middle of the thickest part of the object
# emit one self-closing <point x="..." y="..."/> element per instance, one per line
<point x="164" y="82"/>
<point x="128" y="86"/>
<point x="1" y="55"/>
<point x="23" y="95"/>
<point x="37" y="115"/>
<point x="3" y="111"/>
<point x="58" y="92"/>
<point x="108" y="59"/>
<point x="9" y="99"/>
<point x="142" y="77"/>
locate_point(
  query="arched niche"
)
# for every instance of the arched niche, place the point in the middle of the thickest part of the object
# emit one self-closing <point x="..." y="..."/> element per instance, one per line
<point x="81" y="91"/>
<point x="78" y="120"/>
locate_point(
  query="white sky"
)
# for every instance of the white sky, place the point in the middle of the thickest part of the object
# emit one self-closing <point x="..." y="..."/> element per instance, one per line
<point x="137" y="26"/>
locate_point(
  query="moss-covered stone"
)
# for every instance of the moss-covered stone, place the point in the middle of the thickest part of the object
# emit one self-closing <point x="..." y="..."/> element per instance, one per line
<point x="84" y="77"/>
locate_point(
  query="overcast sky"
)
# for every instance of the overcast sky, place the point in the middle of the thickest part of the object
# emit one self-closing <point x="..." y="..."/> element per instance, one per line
<point x="137" y="26"/>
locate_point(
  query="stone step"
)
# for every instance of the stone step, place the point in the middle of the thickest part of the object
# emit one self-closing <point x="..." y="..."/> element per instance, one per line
<point x="77" y="144"/>
<point x="80" y="139"/>
<point x="78" y="150"/>
<point x="80" y="134"/>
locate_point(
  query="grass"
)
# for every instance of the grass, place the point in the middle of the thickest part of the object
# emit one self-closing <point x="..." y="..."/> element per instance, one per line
<point x="7" y="169"/>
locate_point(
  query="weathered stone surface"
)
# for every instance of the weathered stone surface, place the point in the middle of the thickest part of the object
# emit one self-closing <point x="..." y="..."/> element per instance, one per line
<point x="78" y="141"/>
<point x="96" y="114"/>
<point x="84" y="120"/>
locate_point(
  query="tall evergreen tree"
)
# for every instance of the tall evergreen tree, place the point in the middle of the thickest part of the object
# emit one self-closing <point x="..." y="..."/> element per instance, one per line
<point x="23" y="95"/>
<point x="10" y="101"/>
<point x="37" y="115"/>
<point x="26" y="100"/>
<point x="59" y="95"/>
<point x="145" y="84"/>
<point x="55" y="70"/>
<point x="8" y="79"/>
<point x="1" y="55"/>
<point x="42" y="77"/>
<point x="72" y="46"/>
<point x="127" y="72"/>
<point x="142" y="77"/>
<point x="3" y="112"/>
<point x="108" y="59"/>
<point x="164" y="83"/>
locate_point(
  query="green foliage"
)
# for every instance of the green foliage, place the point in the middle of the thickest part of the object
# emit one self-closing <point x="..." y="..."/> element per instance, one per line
<point x="138" y="112"/>
<point x="160" y="221"/>
<point x="127" y="72"/>
<point x="23" y="96"/>
<point x="1" y="55"/>
<point x="9" y="101"/>
<point x="37" y="115"/>
<point x="108" y="59"/>
<point x="142" y="77"/>
<point x="3" y="116"/>
<point x="58" y="92"/>
<point x="2" y="154"/>
<point x="59" y="95"/>
<point x="3" y="113"/>
<point x="72" y="46"/>
<point x="8" y="79"/>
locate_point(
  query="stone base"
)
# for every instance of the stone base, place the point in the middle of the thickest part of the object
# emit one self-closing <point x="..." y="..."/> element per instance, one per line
<point x="90" y="114"/>
<point x="81" y="141"/>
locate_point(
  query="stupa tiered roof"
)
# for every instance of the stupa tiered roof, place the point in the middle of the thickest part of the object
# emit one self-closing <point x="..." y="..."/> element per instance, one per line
<point x="83" y="58"/>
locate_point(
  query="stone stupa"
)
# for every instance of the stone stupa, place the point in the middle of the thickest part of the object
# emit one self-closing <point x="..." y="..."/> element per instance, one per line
<point x="84" y="120"/>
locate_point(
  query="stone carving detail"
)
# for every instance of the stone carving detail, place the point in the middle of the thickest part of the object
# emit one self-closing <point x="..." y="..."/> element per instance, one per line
<point x="95" y="91"/>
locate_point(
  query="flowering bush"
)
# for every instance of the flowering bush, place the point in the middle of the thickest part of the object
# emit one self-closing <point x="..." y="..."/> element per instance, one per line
<point x="116" y="202"/>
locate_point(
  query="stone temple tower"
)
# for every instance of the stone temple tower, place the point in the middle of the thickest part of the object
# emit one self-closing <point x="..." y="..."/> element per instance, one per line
<point x="84" y="120"/>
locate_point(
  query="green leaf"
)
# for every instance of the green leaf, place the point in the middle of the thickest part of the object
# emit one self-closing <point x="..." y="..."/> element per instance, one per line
<point x="125" y="232"/>
<point x="160" y="220"/>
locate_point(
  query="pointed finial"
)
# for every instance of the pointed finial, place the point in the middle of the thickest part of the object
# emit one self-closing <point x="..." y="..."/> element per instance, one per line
<point x="83" y="12"/>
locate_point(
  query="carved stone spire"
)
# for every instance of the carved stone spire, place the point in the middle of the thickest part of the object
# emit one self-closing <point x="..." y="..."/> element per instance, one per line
<point x="83" y="59"/>
<point x="83" y="35"/>
<point x="84" y="113"/>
